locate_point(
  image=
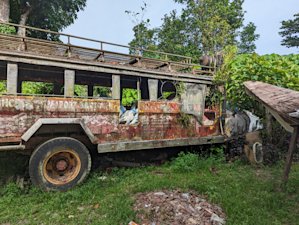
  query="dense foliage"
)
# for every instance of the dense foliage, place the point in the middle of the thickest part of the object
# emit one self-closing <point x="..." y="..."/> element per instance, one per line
<point x="204" y="27"/>
<point x="52" y="15"/>
<point x="290" y="32"/>
<point x="129" y="96"/>
<point x="278" y="70"/>
<point x="6" y="29"/>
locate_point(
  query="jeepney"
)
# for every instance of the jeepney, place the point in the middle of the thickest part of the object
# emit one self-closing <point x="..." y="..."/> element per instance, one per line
<point x="60" y="130"/>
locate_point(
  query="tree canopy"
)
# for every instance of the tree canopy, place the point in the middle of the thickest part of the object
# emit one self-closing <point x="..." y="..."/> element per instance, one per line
<point x="214" y="19"/>
<point x="290" y="32"/>
<point x="247" y="39"/>
<point x="52" y="15"/>
<point x="204" y="27"/>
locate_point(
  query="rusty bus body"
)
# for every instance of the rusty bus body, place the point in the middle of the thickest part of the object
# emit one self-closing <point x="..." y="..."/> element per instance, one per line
<point x="28" y="123"/>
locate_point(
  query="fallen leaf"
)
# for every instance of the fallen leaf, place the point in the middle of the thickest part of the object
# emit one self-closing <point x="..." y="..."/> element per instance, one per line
<point x="96" y="206"/>
<point x="214" y="170"/>
<point x="34" y="212"/>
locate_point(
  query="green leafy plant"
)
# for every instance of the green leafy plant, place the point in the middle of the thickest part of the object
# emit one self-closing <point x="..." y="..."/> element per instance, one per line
<point x="2" y="86"/>
<point x="183" y="119"/>
<point x="6" y="29"/>
<point x="274" y="69"/>
<point x="181" y="88"/>
<point x="129" y="96"/>
<point x="185" y="162"/>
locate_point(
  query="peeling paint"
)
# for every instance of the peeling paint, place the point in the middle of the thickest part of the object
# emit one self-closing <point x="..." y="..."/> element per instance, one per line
<point x="157" y="120"/>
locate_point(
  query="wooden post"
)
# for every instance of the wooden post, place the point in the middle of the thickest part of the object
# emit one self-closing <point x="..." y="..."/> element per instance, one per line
<point x="138" y="89"/>
<point x="269" y="127"/>
<point x="292" y="148"/>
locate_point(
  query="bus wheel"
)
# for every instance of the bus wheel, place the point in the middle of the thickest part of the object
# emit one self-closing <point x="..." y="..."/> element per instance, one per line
<point x="59" y="164"/>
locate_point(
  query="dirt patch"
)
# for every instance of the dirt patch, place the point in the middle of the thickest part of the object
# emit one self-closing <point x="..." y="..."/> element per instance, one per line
<point x="262" y="174"/>
<point x="176" y="207"/>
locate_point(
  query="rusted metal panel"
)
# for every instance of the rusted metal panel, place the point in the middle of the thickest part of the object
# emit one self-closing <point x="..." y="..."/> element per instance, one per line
<point x="137" y="145"/>
<point x="43" y="121"/>
<point x="158" y="107"/>
<point x="193" y="99"/>
<point x="18" y="114"/>
<point x="23" y="116"/>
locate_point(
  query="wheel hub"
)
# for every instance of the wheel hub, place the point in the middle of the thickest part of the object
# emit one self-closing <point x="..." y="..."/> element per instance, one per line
<point x="62" y="167"/>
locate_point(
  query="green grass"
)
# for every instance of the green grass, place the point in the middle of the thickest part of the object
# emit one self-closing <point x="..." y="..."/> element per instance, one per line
<point x="246" y="197"/>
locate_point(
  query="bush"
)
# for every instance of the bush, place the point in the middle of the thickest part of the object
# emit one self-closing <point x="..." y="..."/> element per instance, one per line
<point x="6" y="29"/>
<point x="191" y="162"/>
<point x="186" y="162"/>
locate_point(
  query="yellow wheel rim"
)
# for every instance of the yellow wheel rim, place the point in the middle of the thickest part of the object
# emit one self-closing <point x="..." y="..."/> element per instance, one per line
<point x="61" y="167"/>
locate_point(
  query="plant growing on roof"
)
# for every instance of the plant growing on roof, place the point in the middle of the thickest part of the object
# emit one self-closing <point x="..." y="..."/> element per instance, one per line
<point x="140" y="24"/>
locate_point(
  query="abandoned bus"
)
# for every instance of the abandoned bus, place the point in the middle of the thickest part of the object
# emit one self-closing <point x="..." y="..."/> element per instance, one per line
<point x="59" y="129"/>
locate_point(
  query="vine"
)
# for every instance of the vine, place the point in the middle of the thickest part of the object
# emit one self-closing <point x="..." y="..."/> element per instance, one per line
<point x="180" y="86"/>
<point x="184" y="120"/>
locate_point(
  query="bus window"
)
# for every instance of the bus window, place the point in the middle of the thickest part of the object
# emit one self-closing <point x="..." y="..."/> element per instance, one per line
<point x="128" y="114"/>
<point x="99" y="91"/>
<point x="30" y="87"/>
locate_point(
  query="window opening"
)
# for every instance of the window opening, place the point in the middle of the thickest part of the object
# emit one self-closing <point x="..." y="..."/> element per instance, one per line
<point x="30" y="87"/>
<point x="168" y="90"/>
<point x="81" y="90"/>
<point x="3" y="86"/>
<point x="128" y="113"/>
<point x="99" y="91"/>
<point x="209" y="116"/>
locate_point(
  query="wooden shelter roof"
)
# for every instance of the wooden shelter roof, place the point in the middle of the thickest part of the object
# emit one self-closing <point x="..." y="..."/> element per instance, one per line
<point x="282" y="101"/>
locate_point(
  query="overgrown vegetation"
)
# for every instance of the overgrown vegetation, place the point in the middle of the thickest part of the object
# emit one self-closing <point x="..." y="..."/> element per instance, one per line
<point x="274" y="69"/>
<point x="249" y="195"/>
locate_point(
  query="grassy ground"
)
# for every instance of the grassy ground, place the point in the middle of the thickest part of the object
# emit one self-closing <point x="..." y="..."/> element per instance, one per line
<point x="249" y="195"/>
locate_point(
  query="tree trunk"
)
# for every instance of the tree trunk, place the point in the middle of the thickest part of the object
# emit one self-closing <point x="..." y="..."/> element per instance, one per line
<point x="268" y="124"/>
<point x="4" y="10"/>
<point x="23" y="19"/>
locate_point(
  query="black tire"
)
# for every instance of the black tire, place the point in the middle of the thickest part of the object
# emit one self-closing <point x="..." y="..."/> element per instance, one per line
<point x="71" y="156"/>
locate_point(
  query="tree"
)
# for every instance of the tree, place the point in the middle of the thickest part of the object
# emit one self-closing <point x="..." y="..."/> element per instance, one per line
<point x="176" y="36"/>
<point x="4" y="10"/>
<point x="143" y="38"/>
<point x="140" y="28"/>
<point x="290" y="32"/>
<point x="247" y="39"/>
<point x="200" y="14"/>
<point x="52" y="15"/>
